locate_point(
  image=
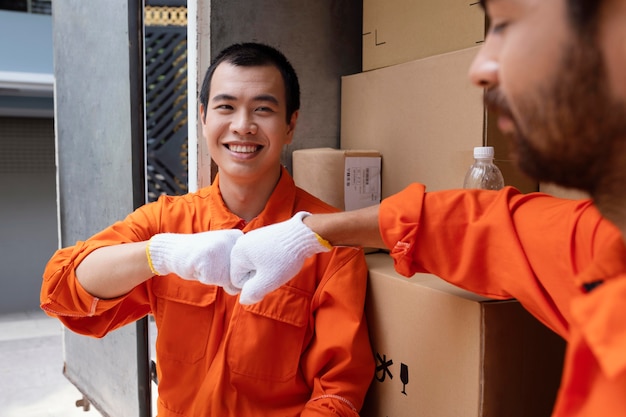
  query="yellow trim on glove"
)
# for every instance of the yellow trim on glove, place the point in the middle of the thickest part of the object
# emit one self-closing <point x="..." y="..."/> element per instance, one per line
<point x="323" y="242"/>
<point x="150" y="259"/>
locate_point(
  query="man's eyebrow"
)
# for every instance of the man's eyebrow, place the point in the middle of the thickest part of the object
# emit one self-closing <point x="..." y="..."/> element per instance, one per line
<point x="262" y="97"/>
<point x="266" y="97"/>
<point x="221" y="97"/>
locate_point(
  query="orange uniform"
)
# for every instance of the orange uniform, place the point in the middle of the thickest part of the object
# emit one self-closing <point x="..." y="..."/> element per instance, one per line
<point x="302" y="351"/>
<point x="559" y="258"/>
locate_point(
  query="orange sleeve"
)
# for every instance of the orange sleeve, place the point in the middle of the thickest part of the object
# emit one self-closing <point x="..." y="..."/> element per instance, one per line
<point x="339" y="360"/>
<point x="62" y="295"/>
<point x="500" y="244"/>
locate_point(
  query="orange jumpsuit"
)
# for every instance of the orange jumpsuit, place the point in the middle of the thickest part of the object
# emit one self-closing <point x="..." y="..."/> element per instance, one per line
<point x="559" y="258"/>
<point x="302" y="351"/>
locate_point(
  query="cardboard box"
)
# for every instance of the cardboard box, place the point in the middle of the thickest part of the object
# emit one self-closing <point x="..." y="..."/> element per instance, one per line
<point x="346" y="179"/>
<point x="443" y="352"/>
<point x="425" y="117"/>
<point x="397" y="31"/>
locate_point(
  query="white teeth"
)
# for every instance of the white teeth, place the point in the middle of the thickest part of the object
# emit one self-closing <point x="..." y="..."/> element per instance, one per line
<point x="242" y="148"/>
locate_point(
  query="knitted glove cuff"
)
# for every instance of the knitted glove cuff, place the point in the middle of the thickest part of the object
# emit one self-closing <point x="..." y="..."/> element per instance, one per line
<point x="160" y="250"/>
<point x="301" y="239"/>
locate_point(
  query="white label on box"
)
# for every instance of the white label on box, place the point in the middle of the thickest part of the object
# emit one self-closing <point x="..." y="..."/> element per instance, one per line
<point x="361" y="182"/>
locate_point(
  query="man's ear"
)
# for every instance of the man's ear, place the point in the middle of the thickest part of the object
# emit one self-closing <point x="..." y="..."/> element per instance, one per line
<point x="291" y="127"/>
<point x="202" y="112"/>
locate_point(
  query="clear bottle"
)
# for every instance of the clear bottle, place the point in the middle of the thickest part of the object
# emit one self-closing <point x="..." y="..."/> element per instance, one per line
<point x="483" y="173"/>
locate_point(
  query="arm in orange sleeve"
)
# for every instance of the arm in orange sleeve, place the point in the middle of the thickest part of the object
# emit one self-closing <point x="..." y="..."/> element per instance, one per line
<point x="63" y="296"/>
<point x="500" y="244"/>
<point x="339" y="359"/>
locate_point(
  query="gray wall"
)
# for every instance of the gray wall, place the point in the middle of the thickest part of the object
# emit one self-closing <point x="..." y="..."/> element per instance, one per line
<point x="321" y="38"/>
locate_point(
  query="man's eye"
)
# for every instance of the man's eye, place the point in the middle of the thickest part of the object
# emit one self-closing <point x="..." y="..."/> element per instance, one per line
<point x="265" y="109"/>
<point x="224" y="107"/>
<point x="498" y="27"/>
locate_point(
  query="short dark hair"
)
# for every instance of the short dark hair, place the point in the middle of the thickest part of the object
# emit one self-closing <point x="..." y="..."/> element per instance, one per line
<point x="252" y="54"/>
<point x="584" y="15"/>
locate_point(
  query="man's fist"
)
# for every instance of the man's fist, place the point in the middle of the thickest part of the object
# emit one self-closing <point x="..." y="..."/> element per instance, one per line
<point x="203" y="257"/>
<point x="266" y="258"/>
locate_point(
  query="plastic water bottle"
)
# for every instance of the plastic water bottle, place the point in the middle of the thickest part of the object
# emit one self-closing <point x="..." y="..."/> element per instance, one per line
<point x="484" y="173"/>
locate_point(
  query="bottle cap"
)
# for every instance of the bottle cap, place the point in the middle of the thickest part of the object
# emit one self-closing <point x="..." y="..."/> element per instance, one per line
<point x="483" y="152"/>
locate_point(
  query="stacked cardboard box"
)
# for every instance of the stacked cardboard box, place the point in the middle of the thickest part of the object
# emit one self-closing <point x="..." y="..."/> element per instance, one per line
<point x="425" y="117"/>
<point x="428" y="109"/>
<point x="346" y="179"/>
<point x="397" y="31"/>
<point x="443" y="352"/>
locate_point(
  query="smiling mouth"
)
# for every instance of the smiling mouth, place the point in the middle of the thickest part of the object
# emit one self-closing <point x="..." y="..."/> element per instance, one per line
<point x="243" y="148"/>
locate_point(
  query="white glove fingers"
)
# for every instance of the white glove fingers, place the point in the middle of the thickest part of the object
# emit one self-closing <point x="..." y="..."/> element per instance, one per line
<point x="240" y="272"/>
<point x="235" y="285"/>
<point x="264" y="259"/>
<point x="254" y="290"/>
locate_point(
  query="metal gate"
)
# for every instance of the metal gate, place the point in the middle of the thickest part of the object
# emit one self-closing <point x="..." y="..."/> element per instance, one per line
<point x="166" y="100"/>
<point x="165" y="34"/>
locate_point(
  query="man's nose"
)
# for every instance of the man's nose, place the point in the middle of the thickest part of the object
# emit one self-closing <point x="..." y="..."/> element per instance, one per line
<point x="243" y="124"/>
<point x="484" y="70"/>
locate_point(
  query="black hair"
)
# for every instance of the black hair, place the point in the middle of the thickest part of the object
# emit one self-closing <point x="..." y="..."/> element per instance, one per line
<point x="252" y="54"/>
<point x="584" y="15"/>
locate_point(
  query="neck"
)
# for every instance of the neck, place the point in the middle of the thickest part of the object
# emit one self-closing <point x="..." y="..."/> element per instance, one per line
<point x="246" y="200"/>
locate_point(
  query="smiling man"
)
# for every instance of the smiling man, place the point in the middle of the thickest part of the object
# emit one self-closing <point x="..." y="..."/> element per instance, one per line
<point x="555" y="72"/>
<point x="301" y="351"/>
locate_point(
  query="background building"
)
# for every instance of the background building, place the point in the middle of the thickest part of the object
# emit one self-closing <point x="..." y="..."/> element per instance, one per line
<point x="28" y="221"/>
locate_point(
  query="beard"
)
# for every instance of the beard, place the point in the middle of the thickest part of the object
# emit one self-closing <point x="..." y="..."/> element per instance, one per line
<point x="569" y="130"/>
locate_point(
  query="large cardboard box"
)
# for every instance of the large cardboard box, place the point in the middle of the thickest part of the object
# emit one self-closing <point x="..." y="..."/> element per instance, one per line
<point x="348" y="179"/>
<point x="443" y="352"/>
<point x="425" y="117"/>
<point x="397" y="31"/>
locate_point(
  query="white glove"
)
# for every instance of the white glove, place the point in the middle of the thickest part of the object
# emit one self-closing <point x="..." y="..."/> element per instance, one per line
<point x="264" y="259"/>
<point x="203" y="257"/>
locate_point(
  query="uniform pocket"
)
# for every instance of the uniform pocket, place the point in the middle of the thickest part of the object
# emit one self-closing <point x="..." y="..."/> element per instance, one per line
<point x="184" y="315"/>
<point x="267" y="338"/>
